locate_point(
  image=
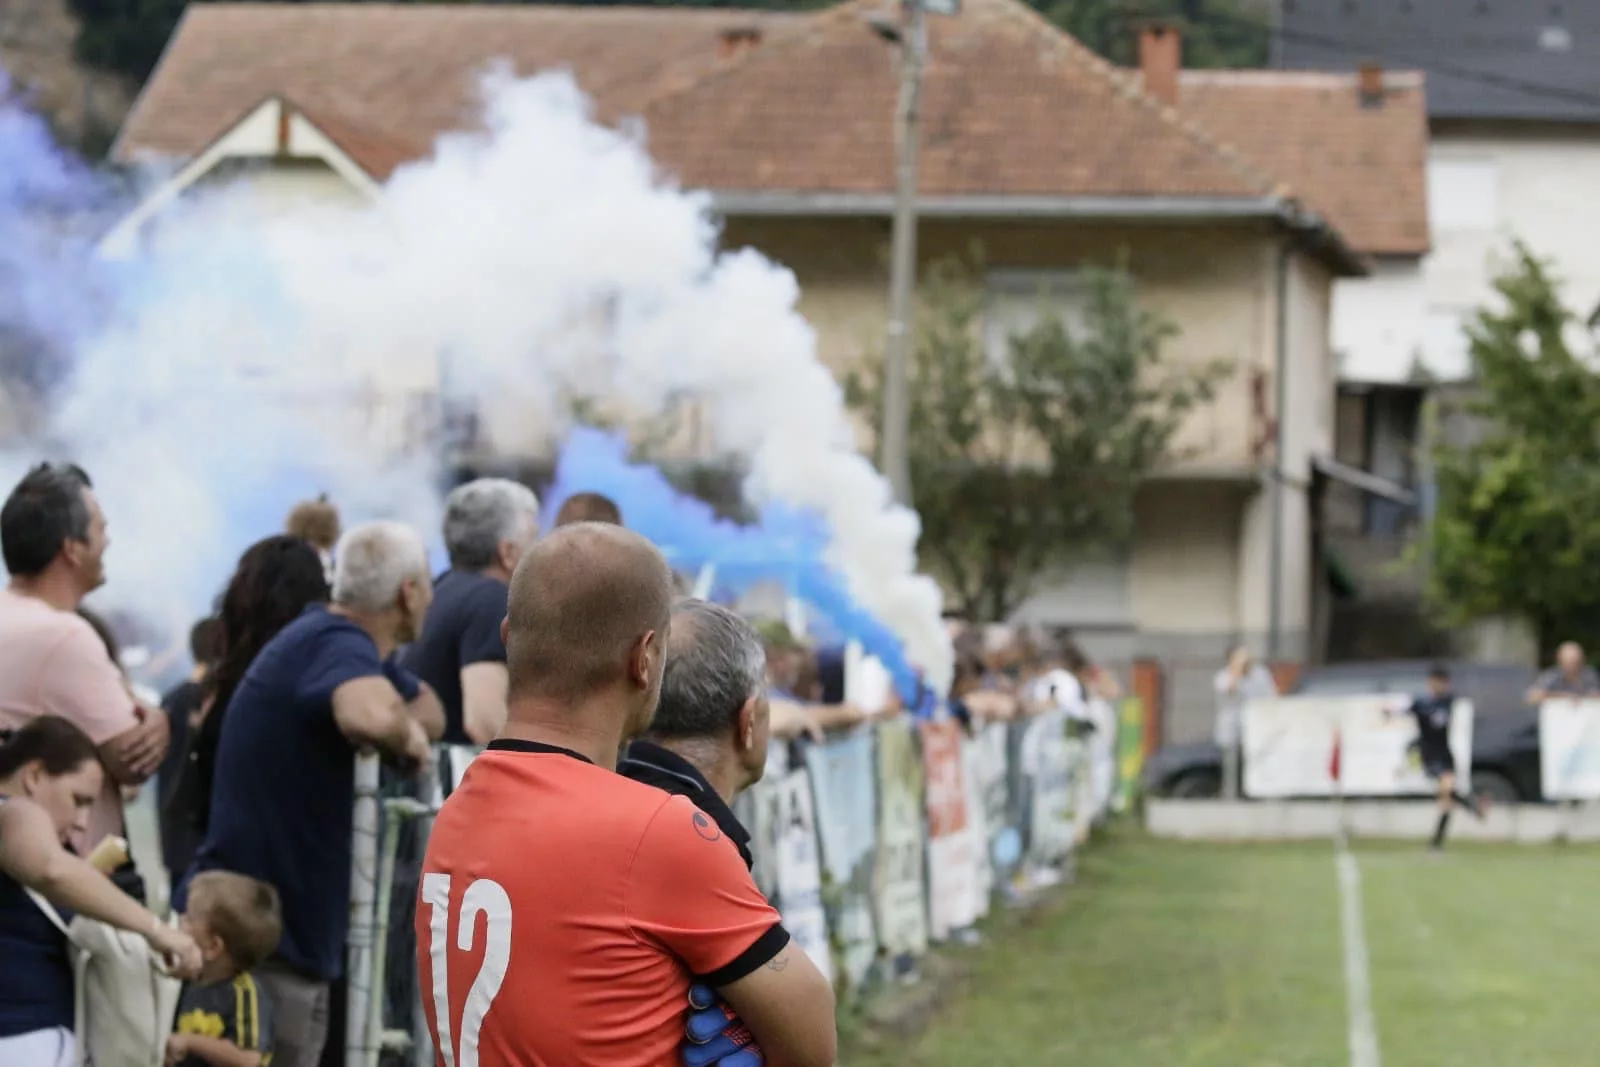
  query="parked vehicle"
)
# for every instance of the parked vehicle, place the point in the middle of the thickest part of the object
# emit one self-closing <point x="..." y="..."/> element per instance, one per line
<point x="1505" y="730"/>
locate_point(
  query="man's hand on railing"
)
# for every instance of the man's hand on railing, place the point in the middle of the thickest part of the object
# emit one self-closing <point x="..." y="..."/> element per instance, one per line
<point x="716" y="1036"/>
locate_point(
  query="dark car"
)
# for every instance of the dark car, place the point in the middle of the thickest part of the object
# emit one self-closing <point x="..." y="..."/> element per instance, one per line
<point x="1505" y="730"/>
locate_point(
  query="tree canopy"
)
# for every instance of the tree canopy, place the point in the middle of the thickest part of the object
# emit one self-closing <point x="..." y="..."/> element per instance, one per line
<point x="1516" y="528"/>
<point x="126" y="36"/>
<point x="1027" y="462"/>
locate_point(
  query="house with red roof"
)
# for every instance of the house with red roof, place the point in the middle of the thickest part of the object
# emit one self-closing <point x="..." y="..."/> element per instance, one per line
<point x="1236" y="198"/>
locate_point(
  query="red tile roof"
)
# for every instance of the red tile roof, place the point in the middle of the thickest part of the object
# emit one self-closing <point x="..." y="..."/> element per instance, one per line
<point x="1011" y="106"/>
<point x="1363" y="167"/>
<point x="404" y="73"/>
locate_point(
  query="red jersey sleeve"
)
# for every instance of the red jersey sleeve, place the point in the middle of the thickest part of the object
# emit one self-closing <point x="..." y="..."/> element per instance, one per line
<point x="689" y="892"/>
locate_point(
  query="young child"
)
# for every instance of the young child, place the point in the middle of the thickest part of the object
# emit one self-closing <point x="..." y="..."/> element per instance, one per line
<point x="224" y="1018"/>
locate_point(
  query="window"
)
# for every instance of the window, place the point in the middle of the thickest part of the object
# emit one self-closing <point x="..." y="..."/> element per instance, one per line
<point x="1463" y="195"/>
<point x="1018" y="300"/>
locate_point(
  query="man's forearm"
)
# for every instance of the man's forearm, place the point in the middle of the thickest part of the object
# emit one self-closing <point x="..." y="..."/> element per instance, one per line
<point x="428" y="710"/>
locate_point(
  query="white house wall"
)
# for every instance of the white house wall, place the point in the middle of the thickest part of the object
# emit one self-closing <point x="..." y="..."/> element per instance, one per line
<point x="1488" y="185"/>
<point x="1378" y="322"/>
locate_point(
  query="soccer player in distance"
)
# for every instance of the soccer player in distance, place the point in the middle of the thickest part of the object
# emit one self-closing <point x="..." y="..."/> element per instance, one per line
<point x="1432" y="710"/>
<point x="708" y="743"/>
<point x="564" y="908"/>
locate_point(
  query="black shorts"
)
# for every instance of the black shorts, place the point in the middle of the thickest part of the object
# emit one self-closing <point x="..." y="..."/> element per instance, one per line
<point x="1438" y="764"/>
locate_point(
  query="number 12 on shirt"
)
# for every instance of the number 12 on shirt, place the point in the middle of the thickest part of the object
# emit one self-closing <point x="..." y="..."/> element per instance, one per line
<point x="486" y="898"/>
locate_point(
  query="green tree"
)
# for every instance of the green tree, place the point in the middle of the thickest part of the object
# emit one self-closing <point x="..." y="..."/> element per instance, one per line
<point x="1516" y="529"/>
<point x="1216" y="33"/>
<point x="1024" y="464"/>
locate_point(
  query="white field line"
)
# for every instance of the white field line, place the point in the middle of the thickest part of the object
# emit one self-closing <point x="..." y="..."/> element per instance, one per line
<point x="1362" y="1030"/>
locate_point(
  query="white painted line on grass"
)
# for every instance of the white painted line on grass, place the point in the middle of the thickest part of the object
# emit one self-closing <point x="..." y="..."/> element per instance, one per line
<point x="1363" y="1032"/>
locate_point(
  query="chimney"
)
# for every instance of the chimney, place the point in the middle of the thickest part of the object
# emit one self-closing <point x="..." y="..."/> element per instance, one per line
<point x="1370" y="80"/>
<point x="1160" y="59"/>
<point x="737" y="39"/>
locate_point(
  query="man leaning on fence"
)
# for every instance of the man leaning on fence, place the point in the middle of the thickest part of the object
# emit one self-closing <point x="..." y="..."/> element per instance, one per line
<point x="565" y="908"/>
<point x="1571" y="677"/>
<point x="283" y="800"/>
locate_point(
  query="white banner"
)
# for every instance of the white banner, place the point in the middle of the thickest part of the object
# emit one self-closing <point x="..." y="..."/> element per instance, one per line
<point x="1569" y="749"/>
<point x="952" y="846"/>
<point x="974" y="775"/>
<point x="898" y="886"/>
<point x="1289" y="746"/>
<point x="1046" y="760"/>
<point x="799" y="873"/>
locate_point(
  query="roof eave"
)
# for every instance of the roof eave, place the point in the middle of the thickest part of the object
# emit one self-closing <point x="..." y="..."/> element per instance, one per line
<point x="1317" y="235"/>
<point x="985" y="206"/>
<point x="1315" y="232"/>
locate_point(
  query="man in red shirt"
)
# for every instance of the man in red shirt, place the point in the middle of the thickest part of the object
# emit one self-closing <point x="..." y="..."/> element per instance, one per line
<point x="564" y="909"/>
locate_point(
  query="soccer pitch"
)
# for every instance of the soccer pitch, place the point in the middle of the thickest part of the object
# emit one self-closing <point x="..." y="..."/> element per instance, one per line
<point x="1186" y="955"/>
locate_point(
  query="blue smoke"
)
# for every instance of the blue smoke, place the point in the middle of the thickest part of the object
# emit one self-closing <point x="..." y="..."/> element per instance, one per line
<point x="50" y="206"/>
<point x="786" y="545"/>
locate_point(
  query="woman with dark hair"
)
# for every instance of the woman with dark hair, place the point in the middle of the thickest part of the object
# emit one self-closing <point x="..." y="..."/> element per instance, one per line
<point x="49" y="777"/>
<point x="277" y="578"/>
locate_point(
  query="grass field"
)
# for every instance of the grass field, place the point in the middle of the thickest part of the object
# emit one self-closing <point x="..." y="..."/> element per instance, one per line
<point x="1178" y="955"/>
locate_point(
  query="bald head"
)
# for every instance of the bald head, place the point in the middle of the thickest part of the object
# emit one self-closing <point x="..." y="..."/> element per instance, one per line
<point x="588" y="614"/>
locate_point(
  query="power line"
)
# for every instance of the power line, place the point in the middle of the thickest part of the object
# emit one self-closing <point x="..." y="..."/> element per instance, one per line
<point x="1390" y="56"/>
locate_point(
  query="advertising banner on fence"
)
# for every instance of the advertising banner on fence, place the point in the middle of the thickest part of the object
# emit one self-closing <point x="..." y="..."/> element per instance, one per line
<point x="1001" y="800"/>
<point x="897" y="887"/>
<point x="1102" y="757"/>
<point x="799" y="872"/>
<point x="951" y="859"/>
<point x="972" y="777"/>
<point x="1130" y="751"/>
<point x="843" y="776"/>
<point x="1289" y="746"/>
<point x="1046" y="764"/>
<point x="1569" y="749"/>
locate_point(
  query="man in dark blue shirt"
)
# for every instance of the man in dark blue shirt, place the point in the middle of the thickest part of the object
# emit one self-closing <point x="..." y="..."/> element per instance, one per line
<point x="1432" y="711"/>
<point x="284" y="795"/>
<point x="488" y="525"/>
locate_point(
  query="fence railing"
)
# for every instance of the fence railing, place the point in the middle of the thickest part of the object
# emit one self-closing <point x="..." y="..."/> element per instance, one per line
<point x="872" y="845"/>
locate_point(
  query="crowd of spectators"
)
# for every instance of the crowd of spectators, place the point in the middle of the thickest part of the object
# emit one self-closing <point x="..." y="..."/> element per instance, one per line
<point x="327" y="641"/>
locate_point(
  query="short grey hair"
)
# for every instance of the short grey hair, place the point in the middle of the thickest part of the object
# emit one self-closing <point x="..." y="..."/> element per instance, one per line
<point x="715" y="662"/>
<point x="481" y="514"/>
<point x="373" y="561"/>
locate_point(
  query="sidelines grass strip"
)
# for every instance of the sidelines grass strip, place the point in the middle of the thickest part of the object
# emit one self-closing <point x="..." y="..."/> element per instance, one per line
<point x="1163" y="953"/>
<point x="1484" y="955"/>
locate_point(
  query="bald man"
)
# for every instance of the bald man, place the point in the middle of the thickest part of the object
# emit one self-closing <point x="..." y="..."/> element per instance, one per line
<point x="1570" y="677"/>
<point x="565" y="910"/>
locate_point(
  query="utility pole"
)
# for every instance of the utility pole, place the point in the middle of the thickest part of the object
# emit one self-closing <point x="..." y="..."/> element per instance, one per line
<point x="913" y="41"/>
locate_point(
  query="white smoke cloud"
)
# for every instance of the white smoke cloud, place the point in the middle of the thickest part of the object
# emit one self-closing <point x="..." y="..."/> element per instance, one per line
<point x="539" y="251"/>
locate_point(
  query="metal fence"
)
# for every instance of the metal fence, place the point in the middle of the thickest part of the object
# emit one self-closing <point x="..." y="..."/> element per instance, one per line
<point x="958" y="821"/>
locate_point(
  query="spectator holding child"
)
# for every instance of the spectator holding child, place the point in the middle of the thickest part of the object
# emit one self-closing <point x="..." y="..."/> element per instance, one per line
<point x="50" y="777"/>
